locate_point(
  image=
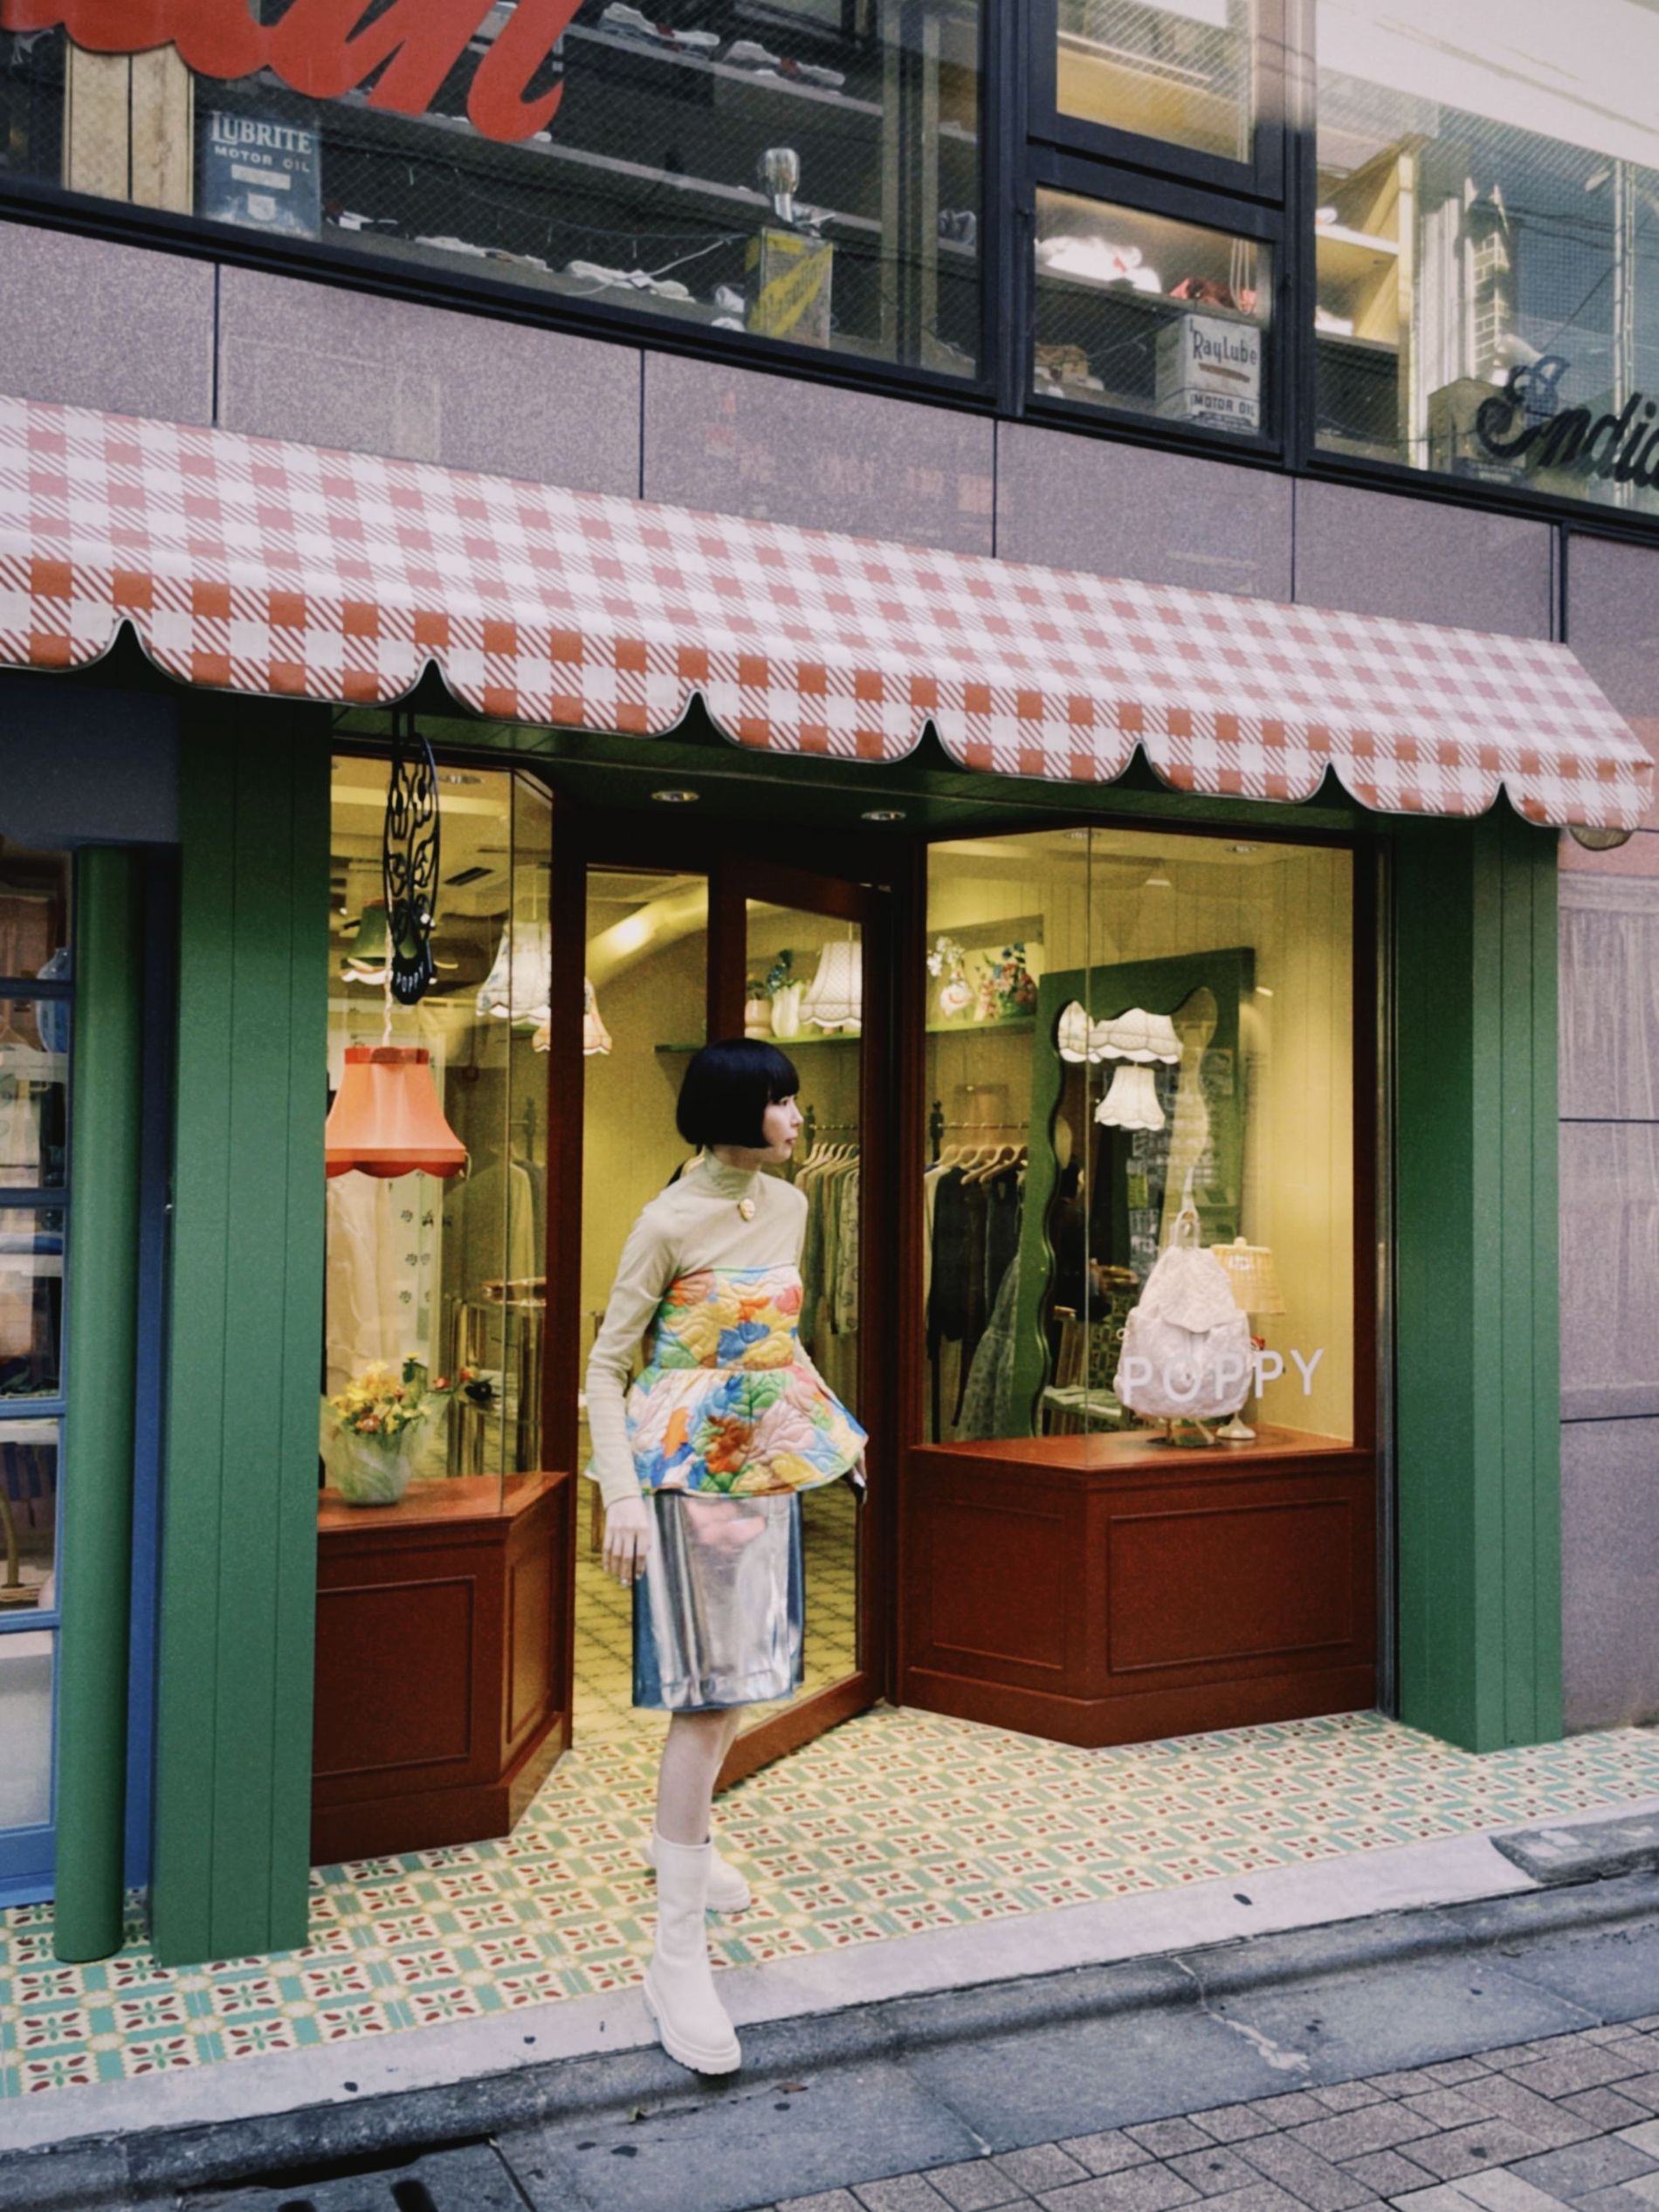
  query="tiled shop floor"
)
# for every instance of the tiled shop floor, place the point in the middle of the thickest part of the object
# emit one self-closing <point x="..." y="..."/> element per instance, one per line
<point x="1538" y="2127"/>
<point x="605" y="1672"/>
<point x="896" y="1822"/>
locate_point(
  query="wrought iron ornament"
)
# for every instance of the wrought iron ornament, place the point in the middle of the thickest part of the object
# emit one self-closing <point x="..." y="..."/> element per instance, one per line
<point x="409" y="861"/>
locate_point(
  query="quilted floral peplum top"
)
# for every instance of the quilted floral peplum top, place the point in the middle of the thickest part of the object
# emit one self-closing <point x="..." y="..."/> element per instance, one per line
<point x="727" y="1401"/>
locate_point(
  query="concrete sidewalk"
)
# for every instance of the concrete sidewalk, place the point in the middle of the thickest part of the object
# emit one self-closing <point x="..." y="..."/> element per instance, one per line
<point x="957" y="2067"/>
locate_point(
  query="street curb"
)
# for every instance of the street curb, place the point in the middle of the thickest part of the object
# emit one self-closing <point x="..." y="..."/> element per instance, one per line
<point x="146" y="2168"/>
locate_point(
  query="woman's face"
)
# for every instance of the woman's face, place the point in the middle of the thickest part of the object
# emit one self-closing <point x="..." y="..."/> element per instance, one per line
<point x="780" y="1125"/>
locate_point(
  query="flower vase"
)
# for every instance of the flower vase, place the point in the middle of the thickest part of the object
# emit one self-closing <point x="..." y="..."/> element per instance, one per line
<point x="370" y="1473"/>
<point x="785" y="1011"/>
<point x="757" y="1015"/>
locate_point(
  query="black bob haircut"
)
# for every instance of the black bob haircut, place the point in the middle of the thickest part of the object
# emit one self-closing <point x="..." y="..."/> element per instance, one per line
<point x="727" y="1089"/>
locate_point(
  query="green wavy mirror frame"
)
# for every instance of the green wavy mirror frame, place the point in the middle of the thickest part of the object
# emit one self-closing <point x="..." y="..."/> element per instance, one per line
<point x="1160" y="986"/>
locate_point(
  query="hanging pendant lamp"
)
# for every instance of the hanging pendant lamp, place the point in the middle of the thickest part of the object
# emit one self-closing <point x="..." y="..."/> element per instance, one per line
<point x="370" y="951"/>
<point x="387" y="1119"/>
<point x="835" y="998"/>
<point x="595" y="1035"/>
<point x="1131" y="1100"/>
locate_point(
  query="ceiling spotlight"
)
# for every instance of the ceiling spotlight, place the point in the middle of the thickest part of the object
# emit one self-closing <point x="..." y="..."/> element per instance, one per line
<point x="882" y="814"/>
<point x="457" y="776"/>
<point x="1243" y="848"/>
<point x="676" y="796"/>
<point x="1158" y="882"/>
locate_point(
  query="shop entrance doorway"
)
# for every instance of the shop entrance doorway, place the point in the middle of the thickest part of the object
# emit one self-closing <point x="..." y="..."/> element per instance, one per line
<point x="675" y="957"/>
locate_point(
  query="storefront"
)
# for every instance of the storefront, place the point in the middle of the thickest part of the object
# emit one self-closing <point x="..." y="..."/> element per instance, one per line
<point x="1070" y="929"/>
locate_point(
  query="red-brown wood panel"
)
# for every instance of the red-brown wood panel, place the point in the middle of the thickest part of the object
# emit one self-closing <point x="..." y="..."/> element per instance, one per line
<point x="439" y="1627"/>
<point x="1128" y="1598"/>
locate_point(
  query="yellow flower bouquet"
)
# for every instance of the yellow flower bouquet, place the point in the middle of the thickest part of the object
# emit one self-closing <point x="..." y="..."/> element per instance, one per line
<point x="376" y="1422"/>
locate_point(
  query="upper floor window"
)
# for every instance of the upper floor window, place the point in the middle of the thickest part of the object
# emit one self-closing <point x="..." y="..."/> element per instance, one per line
<point x="1182" y="73"/>
<point x="805" y="170"/>
<point x="1487" y="242"/>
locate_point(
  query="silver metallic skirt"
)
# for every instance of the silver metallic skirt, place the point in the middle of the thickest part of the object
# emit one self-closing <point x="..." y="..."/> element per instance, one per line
<point x="719" y="1612"/>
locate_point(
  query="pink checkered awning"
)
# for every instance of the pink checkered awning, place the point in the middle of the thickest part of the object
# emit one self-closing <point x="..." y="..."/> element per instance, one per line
<point x="255" y="565"/>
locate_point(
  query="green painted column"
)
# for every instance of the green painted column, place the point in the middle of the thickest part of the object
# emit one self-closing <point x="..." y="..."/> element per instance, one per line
<point x="1477" y="1328"/>
<point x="101" y="1336"/>
<point x="238" y="1566"/>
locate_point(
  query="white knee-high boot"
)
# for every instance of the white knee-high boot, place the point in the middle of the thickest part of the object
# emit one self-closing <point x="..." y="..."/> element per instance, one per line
<point x="679" y="1985"/>
<point x="727" y="1890"/>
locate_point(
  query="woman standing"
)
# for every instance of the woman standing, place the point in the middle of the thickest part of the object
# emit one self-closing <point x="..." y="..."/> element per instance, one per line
<point x="701" y="1464"/>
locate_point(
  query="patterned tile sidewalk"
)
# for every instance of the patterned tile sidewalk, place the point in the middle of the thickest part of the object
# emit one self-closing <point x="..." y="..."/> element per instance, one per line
<point x="897" y="1823"/>
<point x="1566" y="2125"/>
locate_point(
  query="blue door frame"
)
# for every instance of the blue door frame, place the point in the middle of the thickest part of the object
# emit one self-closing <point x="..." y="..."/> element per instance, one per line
<point x="28" y="1855"/>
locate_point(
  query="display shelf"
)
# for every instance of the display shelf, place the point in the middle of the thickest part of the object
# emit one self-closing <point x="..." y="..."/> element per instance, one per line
<point x="1161" y="304"/>
<point x="1348" y="257"/>
<point x="1350" y="341"/>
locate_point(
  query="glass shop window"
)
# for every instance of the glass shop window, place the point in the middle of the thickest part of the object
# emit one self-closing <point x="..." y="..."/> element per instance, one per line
<point x="436" y="1197"/>
<point x="1183" y="74"/>
<point x="1139" y="1208"/>
<point x="799" y="169"/>
<point x="1487" y="244"/>
<point x="1141" y="314"/>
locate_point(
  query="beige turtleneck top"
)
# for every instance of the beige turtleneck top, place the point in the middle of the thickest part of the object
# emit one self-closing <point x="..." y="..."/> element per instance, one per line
<point x="694" y="1223"/>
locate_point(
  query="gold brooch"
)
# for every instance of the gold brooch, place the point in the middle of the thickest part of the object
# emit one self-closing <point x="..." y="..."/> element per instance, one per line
<point x="746" y="1207"/>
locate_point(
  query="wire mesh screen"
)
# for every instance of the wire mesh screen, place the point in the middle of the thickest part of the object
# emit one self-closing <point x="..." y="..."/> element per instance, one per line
<point x="800" y="169"/>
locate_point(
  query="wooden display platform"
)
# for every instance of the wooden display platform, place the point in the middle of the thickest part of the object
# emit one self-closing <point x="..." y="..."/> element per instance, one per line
<point x="439" y="1623"/>
<point x="1106" y="1588"/>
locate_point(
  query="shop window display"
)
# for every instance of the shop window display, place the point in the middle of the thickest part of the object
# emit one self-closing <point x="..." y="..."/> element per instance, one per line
<point x="1182" y="74"/>
<point x="799" y="169"/>
<point x="1487" y="245"/>
<point x="1142" y="314"/>
<point x="1139" y="1213"/>
<point x="435" y="1292"/>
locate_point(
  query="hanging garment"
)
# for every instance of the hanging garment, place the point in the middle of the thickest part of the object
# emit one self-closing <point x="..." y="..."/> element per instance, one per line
<point x="381" y="1273"/>
<point x="1004" y="1204"/>
<point x="988" y="1394"/>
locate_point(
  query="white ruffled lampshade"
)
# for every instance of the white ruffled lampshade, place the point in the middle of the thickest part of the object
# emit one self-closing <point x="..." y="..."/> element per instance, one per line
<point x="595" y="1035"/>
<point x="1131" y="1101"/>
<point x="1138" y="1036"/>
<point x="516" y="987"/>
<point x="835" y="998"/>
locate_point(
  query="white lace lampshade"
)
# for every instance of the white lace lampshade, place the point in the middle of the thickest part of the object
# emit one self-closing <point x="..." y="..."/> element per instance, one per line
<point x="1254" y="1281"/>
<point x="595" y="1035"/>
<point x="1138" y="1036"/>
<point x="835" y="997"/>
<point x="516" y="987"/>
<point x="1131" y="1100"/>
<point x="1072" y="1037"/>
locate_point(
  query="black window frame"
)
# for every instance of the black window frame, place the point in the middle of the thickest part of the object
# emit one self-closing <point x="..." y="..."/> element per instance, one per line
<point x="1023" y="143"/>
<point x="1047" y="168"/>
<point x="1261" y="177"/>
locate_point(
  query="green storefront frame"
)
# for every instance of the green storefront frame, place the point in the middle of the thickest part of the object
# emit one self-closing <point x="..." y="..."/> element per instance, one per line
<point x="1469" y="948"/>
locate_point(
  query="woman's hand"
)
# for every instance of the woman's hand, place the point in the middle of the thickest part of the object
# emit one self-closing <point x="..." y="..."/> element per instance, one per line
<point x="628" y="1534"/>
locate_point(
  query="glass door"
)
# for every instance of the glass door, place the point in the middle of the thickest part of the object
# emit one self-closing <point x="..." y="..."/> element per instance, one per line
<point x="35" y="993"/>
<point x="796" y="957"/>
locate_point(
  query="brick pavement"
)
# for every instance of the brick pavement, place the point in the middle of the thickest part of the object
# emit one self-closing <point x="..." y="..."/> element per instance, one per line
<point x="1569" y="2124"/>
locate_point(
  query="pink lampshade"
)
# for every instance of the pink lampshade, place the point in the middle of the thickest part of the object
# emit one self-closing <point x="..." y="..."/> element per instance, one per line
<point x="387" y="1119"/>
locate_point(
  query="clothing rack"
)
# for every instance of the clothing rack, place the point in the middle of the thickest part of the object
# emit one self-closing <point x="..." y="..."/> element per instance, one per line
<point x="814" y="1129"/>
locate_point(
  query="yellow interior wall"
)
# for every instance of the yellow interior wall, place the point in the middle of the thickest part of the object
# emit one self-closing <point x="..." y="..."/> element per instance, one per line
<point x="1293" y="905"/>
<point x="630" y="1146"/>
